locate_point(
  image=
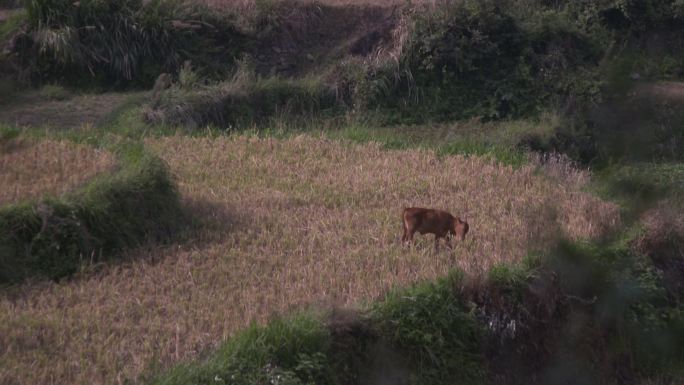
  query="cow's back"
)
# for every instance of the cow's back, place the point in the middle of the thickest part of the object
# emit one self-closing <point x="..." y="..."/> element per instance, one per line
<point x="427" y="220"/>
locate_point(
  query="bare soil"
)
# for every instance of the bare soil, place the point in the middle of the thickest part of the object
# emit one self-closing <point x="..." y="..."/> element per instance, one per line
<point x="309" y="38"/>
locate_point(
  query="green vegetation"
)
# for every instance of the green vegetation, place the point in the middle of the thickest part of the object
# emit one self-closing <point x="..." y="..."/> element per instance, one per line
<point x="641" y="321"/>
<point x="54" y="237"/>
<point x="291" y="351"/>
<point x="54" y="92"/>
<point x="432" y="328"/>
<point x="465" y="59"/>
<point x="120" y="42"/>
<point x="8" y="133"/>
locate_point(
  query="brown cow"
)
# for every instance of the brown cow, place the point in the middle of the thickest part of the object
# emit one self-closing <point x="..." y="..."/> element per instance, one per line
<point x="437" y="222"/>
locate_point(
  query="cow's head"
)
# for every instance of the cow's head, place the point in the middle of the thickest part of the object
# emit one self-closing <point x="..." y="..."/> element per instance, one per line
<point x="460" y="229"/>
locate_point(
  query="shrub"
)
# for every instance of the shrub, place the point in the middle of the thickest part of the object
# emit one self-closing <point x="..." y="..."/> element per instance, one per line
<point x="53" y="237"/>
<point x="122" y="41"/>
<point x="628" y="303"/>
<point x="433" y="329"/>
<point x="475" y="58"/>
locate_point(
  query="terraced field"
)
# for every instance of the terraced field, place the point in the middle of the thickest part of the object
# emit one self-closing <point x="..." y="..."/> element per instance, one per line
<point x="284" y="224"/>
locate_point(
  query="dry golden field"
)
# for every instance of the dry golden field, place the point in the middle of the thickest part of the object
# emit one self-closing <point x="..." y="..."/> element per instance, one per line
<point x="48" y="167"/>
<point x="285" y="224"/>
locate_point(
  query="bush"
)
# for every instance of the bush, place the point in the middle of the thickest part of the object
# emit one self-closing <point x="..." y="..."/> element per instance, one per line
<point x="120" y="41"/>
<point x="52" y="238"/>
<point x="431" y="326"/>
<point x="475" y="58"/>
<point x="628" y="302"/>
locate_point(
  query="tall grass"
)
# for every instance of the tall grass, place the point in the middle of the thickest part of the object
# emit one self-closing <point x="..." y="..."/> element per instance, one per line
<point x="122" y="41"/>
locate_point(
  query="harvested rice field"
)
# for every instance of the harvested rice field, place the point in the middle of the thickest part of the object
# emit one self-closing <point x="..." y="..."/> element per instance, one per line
<point x="282" y="224"/>
<point x="31" y="169"/>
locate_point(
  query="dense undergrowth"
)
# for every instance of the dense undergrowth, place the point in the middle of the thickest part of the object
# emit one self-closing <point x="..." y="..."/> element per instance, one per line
<point x="507" y="59"/>
<point x="54" y="237"/>
<point x="119" y="43"/>
<point x="491" y="59"/>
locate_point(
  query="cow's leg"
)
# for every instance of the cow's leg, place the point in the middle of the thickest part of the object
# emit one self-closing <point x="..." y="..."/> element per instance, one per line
<point x="409" y="235"/>
<point x="437" y="243"/>
<point x="404" y="236"/>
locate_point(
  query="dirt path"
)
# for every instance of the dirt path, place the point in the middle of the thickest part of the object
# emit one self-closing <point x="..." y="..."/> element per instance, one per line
<point x="665" y="90"/>
<point x="36" y="111"/>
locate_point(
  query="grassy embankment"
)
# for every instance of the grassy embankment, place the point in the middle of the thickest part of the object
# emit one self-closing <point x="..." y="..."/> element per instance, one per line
<point x="78" y="211"/>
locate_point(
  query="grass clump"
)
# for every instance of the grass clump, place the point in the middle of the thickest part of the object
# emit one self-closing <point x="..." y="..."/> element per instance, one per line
<point x="54" y="92"/>
<point x="53" y="237"/>
<point x="243" y="103"/>
<point x="8" y="134"/>
<point x="12" y="24"/>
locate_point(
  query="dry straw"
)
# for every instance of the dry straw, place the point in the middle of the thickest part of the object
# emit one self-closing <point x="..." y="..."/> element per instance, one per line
<point x="49" y="167"/>
<point x="286" y="223"/>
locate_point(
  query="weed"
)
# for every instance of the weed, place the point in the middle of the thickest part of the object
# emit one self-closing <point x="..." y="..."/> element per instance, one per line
<point x="12" y="24"/>
<point x="242" y="103"/>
